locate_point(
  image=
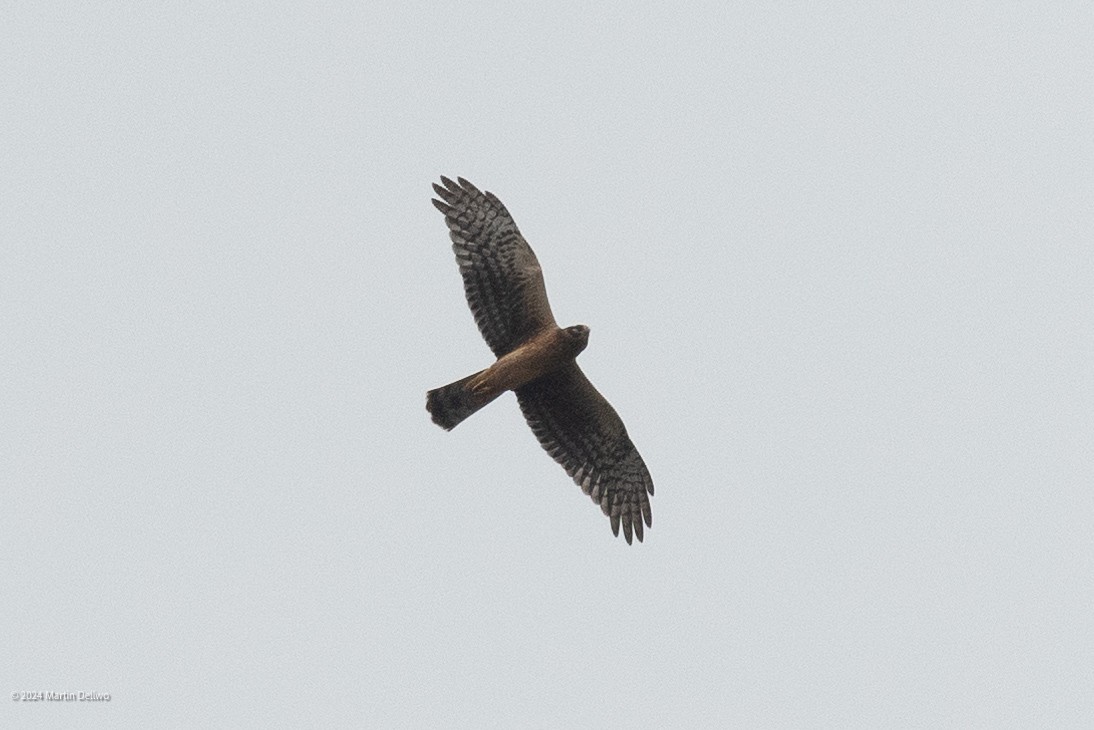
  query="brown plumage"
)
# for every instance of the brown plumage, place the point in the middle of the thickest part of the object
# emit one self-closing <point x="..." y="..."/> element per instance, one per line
<point x="536" y="359"/>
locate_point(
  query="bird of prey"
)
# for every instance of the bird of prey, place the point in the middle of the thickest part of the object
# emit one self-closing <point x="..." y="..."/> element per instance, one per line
<point x="536" y="359"/>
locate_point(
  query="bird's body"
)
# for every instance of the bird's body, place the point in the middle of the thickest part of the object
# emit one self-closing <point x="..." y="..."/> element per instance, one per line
<point x="536" y="359"/>
<point x="544" y="352"/>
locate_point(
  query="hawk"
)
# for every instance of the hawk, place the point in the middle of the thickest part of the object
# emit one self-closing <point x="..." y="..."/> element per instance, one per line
<point x="536" y="359"/>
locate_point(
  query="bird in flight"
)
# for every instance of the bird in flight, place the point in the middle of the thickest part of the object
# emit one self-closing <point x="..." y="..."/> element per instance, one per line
<point x="536" y="359"/>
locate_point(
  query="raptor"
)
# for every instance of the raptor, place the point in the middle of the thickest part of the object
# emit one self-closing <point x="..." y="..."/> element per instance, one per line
<point x="536" y="359"/>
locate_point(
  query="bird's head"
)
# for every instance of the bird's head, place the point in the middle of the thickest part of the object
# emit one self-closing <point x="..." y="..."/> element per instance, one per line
<point x="579" y="336"/>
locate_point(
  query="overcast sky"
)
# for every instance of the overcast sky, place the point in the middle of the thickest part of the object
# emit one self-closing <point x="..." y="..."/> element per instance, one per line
<point x="838" y="265"/>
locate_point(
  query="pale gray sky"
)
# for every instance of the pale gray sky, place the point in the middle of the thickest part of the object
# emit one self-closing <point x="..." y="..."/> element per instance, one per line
<point x="839" y="271"/>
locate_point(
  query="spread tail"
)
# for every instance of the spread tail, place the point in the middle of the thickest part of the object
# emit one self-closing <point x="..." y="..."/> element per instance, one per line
<point x="451" y="404"/>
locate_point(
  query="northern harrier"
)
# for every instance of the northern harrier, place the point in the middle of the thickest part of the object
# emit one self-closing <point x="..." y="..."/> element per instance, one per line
<point x="536" y="360"/>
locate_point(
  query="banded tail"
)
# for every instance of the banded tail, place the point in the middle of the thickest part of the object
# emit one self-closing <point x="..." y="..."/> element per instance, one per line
<point x="452" y="403"/>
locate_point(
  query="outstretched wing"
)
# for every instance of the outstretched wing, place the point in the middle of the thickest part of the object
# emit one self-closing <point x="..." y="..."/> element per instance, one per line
<point x="580" y="429"/>
<point x="501" y="276"/>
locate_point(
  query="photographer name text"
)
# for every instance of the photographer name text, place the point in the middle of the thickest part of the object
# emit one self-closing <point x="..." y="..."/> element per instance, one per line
<point x="60" y="696"/>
